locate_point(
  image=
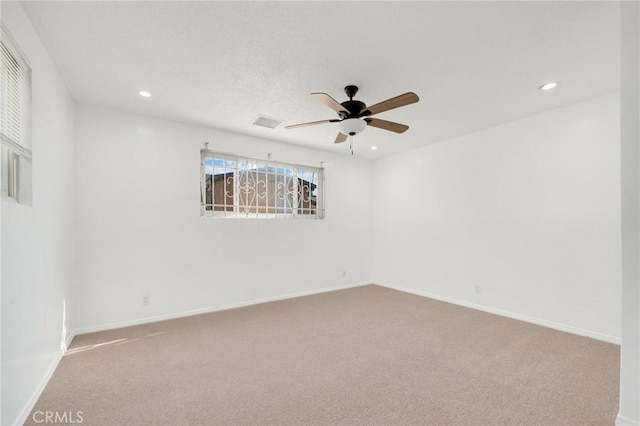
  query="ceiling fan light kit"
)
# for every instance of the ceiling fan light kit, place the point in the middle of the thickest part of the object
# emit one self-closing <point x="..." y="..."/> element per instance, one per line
<point x="355" y="115"/>
<point x="352" y="126"/>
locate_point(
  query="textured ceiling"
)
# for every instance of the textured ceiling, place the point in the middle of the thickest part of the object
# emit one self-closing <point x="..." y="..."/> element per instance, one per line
<point x="219" y="64"/>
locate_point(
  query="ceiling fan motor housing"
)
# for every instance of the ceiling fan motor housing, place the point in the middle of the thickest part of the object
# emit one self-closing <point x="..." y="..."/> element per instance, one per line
<point x="354" y="109"/>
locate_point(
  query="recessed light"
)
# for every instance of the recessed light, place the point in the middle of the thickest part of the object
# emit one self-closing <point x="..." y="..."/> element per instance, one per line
<point x="144" y="94"/>
<point x="374" y="148"/>
<point x="548" y="86"/>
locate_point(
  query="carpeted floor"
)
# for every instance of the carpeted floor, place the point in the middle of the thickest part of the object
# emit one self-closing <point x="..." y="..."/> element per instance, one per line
<point x="362" y="356"/>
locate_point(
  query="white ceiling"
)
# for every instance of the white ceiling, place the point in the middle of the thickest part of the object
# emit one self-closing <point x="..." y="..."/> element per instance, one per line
<point x="219" y="64"/>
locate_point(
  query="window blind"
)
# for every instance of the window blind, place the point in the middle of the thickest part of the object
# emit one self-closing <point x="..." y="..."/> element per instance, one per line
<point x="15" y="94"/>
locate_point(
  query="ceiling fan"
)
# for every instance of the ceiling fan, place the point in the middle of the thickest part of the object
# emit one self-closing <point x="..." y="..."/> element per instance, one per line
<point x="355" y="116"/>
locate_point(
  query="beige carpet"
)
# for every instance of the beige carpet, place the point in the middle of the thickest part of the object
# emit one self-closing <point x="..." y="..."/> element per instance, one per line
<point x="363" y="356"/>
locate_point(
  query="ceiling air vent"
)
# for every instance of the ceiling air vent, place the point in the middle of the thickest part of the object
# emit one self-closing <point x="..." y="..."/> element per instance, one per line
<point x="264" y="121"/>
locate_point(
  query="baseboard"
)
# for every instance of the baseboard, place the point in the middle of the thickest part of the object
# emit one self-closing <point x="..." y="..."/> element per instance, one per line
<point x="156" y="318"/>
<point x="508" y="314"/>
<point x="513" y="315"/>
<point x="624" y="421"/>
<point x="24" y="415"/>
<point x="70" y="337"/>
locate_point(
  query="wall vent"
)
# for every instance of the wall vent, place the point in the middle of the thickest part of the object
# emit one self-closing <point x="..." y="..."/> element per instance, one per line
<point x="264" y="121"/>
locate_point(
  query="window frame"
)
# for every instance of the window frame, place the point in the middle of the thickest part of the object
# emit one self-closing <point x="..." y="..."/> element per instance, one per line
<point x="281" y="174"/>
<point x="15" y="120"/>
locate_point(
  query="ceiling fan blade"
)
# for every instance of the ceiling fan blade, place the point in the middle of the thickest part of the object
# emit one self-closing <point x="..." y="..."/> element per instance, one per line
<point x="387" y="125"/>
<point x="311" y="123"/>
<point x="397" y="102"/>
<point x="330" y="102"/>
<point x="341" y="138"/>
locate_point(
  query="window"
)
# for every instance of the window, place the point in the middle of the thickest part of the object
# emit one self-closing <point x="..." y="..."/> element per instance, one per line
<point x="233" y="186"/>
<point x="15" y="121"/>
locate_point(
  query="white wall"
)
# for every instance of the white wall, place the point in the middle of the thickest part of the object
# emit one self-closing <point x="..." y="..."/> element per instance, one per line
<point x="629" y="414"/>
<point x="528" y="211"/>
<point x="1" y="341"/>
<point x="139" y="230"/>
<point x="37" y="241"/>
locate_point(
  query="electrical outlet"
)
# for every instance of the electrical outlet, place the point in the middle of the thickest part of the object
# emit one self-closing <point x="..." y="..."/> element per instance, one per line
<point x="478" y="289"/>
<point x="344" y="274"/>
<point x="146" y="300"/>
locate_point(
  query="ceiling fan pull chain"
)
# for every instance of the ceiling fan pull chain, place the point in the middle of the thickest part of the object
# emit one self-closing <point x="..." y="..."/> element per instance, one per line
<point x="351" y="143"/>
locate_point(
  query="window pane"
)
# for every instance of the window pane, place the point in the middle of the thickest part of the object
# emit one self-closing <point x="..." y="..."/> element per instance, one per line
<point x="245" y="187"/>
<point x="307" y="185"/>
<point x="223" y="172"/>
